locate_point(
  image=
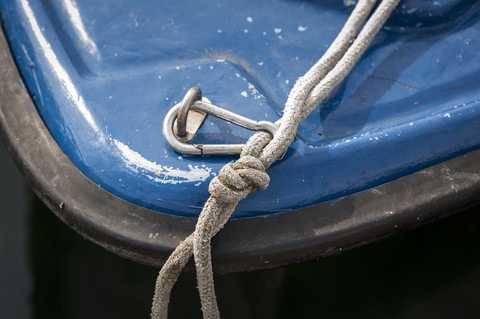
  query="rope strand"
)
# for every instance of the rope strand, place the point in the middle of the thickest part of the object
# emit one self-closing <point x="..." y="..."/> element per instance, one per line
<point x="235" y="181"/>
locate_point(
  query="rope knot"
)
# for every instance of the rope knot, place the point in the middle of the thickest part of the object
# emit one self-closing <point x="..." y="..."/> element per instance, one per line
<point x="237" y="180"/>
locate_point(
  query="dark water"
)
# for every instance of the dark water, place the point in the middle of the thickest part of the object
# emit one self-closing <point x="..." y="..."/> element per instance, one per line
<point x="48" y="271"/>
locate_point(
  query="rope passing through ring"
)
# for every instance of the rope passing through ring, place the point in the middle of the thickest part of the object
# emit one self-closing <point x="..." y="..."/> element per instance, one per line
<point x="235" y="181"/>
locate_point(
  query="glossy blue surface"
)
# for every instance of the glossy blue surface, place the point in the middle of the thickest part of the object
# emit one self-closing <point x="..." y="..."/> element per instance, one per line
<point x="104" y="73"/>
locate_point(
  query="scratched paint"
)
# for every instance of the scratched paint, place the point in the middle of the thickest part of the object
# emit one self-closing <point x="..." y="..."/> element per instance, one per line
<point x="163" y="174"/>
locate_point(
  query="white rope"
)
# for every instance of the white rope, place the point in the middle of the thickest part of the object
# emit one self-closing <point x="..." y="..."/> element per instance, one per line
<point x="235" y="181"/>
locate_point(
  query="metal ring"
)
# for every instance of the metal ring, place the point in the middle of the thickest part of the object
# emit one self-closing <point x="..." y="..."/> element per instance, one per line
<point x="208" y="108"/>
<point x="192" y="95"/>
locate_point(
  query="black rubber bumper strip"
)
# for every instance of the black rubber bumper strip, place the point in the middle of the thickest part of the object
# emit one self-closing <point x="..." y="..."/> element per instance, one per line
<point x="249" y="244"/>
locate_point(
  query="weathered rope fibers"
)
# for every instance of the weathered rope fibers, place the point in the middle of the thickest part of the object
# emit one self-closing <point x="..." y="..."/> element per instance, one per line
<point x="235" y="181"/>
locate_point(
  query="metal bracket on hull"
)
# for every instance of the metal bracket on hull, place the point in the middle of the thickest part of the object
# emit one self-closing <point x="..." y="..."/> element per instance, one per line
<point x="184" y="119"/>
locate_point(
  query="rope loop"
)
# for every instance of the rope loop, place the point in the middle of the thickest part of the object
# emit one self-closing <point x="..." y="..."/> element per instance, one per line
<point x="239" y="179"/>
<point x="235" y="181"/>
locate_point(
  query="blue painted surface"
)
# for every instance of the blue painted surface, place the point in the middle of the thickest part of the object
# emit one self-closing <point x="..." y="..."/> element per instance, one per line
<point x="104" y="73"/>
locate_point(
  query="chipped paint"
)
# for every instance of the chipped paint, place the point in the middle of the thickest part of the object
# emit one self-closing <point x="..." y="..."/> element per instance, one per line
<point x="349" y="3"/>
<point x="164" y="174"/>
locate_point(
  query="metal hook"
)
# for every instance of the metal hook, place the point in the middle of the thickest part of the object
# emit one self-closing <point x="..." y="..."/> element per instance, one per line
<point x="193" y="101"/>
